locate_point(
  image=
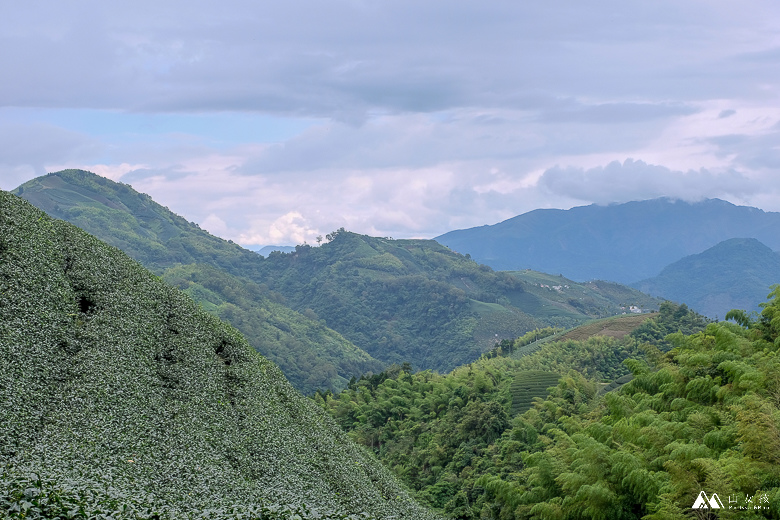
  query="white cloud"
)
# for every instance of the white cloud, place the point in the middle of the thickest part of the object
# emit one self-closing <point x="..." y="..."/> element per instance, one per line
<point x="215" y="225"/>
<point x="636" y="180"/>
<point x="290" y="228"/>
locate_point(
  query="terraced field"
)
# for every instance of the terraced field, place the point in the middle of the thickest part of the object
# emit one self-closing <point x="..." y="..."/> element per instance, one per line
<point x="529" y="384"/>
<point x="617" y="383"/>
<point x="616" y="327"/>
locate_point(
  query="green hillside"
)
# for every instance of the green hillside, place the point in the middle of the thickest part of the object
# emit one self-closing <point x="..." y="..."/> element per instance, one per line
<point x="402" y="300"/>
<point x="734" y="274"/>
<point x="310" y="354"/>
<point x="217" y="273"/>
<point x="416" y="301"/>
<point x="325" y="314"/>
<point x="555" y="295"/>
<point x="121" y="398"/>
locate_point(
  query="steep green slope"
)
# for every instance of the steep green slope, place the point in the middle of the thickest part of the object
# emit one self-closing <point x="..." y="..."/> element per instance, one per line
<point x="215" y="272"/>
<point x="310" y="354"/>
<point x="120" y="396"/>
<point x="620" y="242"/>
<point x="734" y="274"/>
<point x="131" y="221"/>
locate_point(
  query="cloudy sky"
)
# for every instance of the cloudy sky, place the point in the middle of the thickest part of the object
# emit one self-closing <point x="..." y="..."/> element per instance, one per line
<point x="273" y="122"/>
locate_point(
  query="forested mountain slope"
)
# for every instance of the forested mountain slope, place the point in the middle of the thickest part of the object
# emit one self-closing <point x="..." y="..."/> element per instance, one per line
<point x="417" y="301"/>
<point x="121" y="398"/>
<point x="621" y="242"/>
<point x="403" y="300"/>
<point x="393" y="300"/>
<point x="734" y="274"/>
<point x="702" y="416"/>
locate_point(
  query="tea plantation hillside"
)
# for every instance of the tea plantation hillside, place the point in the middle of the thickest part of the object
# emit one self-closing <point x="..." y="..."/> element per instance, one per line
<point x="121" y="398"/>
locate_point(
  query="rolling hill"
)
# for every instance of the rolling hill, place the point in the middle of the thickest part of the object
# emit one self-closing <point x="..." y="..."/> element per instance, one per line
<point x="121" y="398"/>
<point x="734" y="274"/>
<point x="623" y="243"/>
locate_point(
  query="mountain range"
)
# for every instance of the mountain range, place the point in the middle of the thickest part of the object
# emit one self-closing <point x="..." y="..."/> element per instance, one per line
<point x="734" y="274"/>
<point x="623" y="243"/>
<point x="358" y="303"/>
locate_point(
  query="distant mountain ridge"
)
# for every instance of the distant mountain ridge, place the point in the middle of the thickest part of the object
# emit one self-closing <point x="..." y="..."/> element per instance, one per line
<point x="734" y="274"/>
<point x="623" y="243"/>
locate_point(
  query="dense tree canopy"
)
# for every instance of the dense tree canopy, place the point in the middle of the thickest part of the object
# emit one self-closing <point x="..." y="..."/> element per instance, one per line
<point x="704" y="416"/>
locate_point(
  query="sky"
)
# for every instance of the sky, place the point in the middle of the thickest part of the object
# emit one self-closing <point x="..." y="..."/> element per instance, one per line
<point x="276" y="122"/>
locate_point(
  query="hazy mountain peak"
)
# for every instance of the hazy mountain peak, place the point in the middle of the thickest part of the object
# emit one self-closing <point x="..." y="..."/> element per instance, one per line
<point x="620" y="242"/>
